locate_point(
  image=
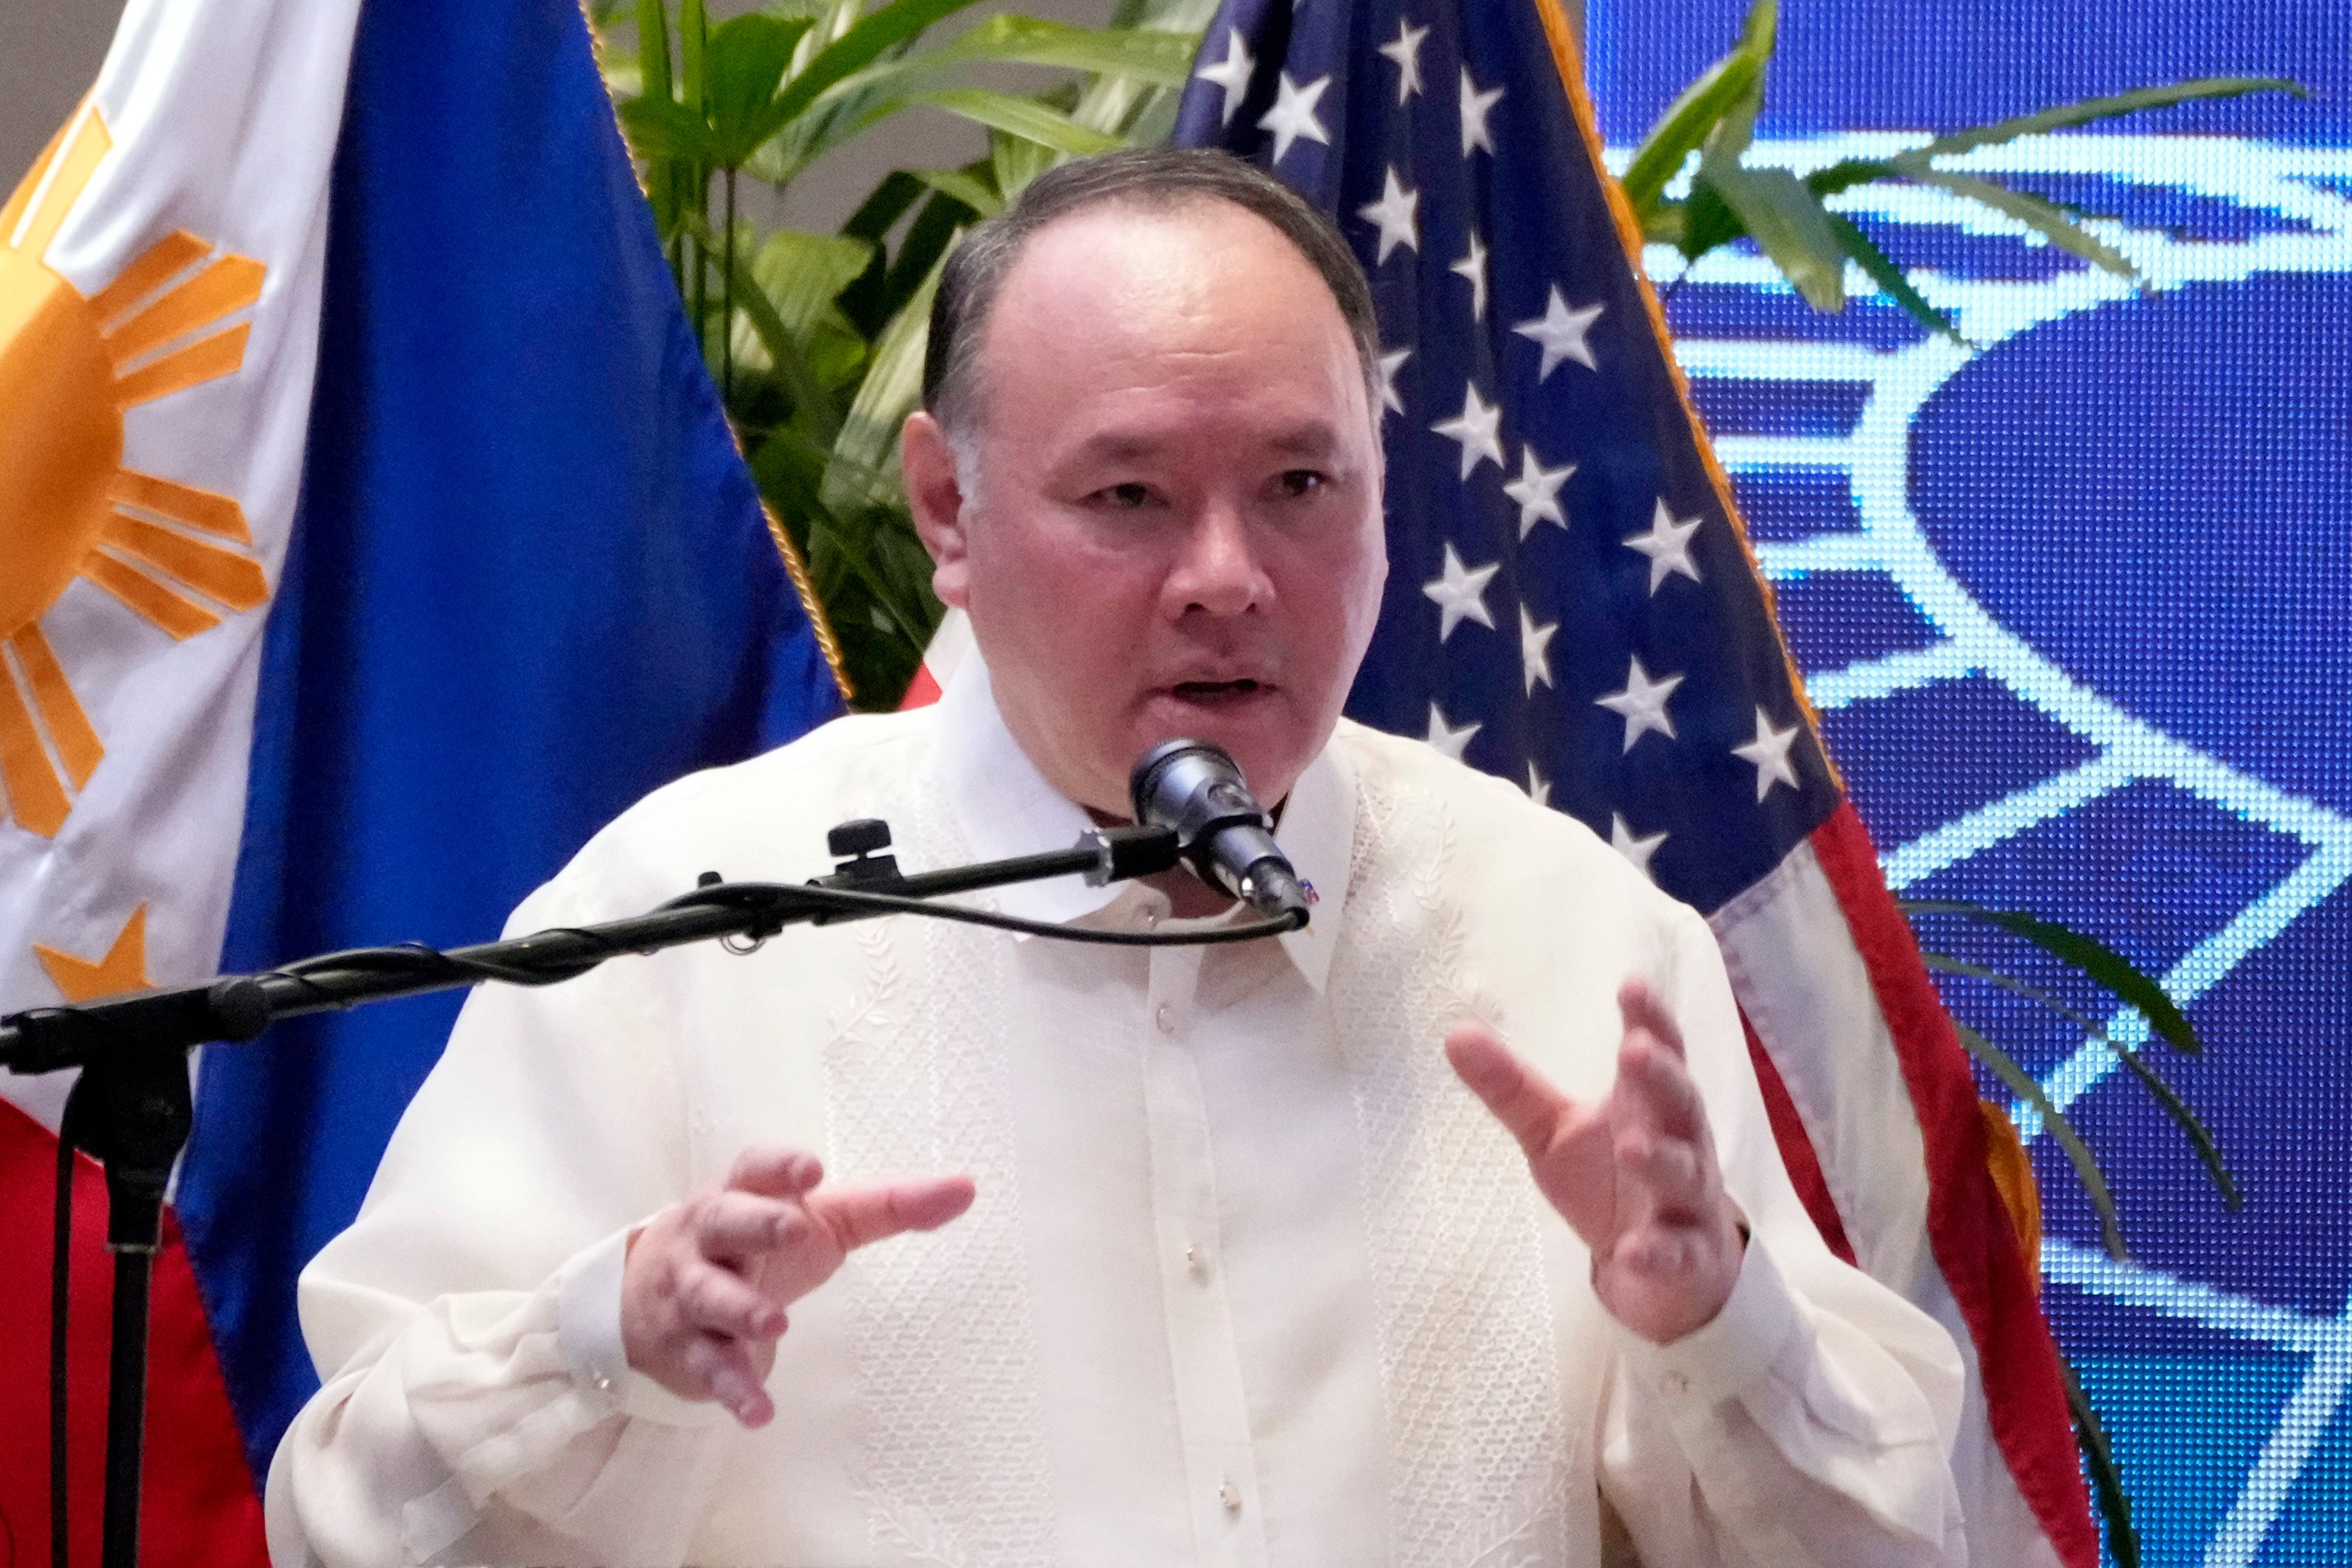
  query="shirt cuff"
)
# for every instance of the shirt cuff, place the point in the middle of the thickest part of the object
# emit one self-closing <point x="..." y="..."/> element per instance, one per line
<point x="1731" y="1353"/>
<point x="588" y="1338"/>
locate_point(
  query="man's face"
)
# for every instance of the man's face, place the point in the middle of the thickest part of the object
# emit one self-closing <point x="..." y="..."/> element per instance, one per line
<point x="1173" y="525"/>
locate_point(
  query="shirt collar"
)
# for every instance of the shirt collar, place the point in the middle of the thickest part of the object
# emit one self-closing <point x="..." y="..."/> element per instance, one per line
<point x="1006" y="808"/>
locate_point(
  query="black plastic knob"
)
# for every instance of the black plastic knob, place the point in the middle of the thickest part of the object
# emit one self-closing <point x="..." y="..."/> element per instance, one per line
<point x="862" y="837"/>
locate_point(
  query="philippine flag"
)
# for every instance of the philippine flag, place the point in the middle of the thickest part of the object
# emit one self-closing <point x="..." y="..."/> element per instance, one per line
<point x="369" y="534"/>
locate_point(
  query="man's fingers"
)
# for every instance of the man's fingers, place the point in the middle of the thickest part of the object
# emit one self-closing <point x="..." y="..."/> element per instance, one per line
<point x="1639" y="1006"/>
<point x="736" y="1227"/>
<point x="1528" y="1107"/>
<point x="775" y="1172"/>
<point x="861" y="1216"/>
<point x="1661" y="1253"/>
<point x="716" y="1302"/>
<point x="1670" y="1172"/>
<point x="1656" y="1088"/>
<point x="724" y="1372"/>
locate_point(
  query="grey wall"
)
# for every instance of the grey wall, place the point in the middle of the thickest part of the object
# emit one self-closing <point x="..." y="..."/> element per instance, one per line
<point x="50" y="54"/>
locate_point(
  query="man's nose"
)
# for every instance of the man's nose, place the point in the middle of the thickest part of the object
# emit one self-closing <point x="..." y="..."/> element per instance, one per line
<point x="1219" y="571"/>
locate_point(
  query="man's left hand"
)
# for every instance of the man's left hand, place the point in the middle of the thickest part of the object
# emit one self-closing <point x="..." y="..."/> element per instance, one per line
<point x="1635" y="1173"/>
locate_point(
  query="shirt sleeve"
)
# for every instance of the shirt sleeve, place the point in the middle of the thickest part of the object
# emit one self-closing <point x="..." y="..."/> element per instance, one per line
<point x="476" y="1406"/>
<point x="1810" y="1424"/>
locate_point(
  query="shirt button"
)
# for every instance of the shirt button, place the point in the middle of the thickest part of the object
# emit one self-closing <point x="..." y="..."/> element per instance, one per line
<point x="1165" y="1018"/>
<point x="1231" y="1496"/>
<point x="604" y="1384"/>
<point x="1676" y="1384"/>
<point x="1196" y="1263"/>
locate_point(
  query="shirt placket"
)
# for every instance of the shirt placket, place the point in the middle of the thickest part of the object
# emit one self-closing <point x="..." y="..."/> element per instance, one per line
<point x="1221" y="1473"/>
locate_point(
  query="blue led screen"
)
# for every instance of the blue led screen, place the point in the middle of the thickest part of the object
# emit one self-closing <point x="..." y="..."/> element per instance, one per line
<point x="2075" y="606"/>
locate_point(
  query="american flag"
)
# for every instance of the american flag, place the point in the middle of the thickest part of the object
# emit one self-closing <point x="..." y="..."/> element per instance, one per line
<point x="1571" y="604"/>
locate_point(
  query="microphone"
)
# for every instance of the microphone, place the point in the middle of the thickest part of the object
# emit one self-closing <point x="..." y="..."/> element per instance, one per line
<point x="1195" y="789"/>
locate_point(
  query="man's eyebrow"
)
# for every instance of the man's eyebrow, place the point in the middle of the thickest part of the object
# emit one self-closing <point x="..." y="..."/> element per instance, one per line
<point x="1118" y="447"/>
<point x="1315" y="440"/>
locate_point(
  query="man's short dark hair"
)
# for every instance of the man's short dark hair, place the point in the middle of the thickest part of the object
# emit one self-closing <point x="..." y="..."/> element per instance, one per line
<point x="1151" y="178"/>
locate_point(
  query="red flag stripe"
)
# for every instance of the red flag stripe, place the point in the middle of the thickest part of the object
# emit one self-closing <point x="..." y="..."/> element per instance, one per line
<point x="1797" y="1152"/>
<point x="199" y="1506"/>
<point x="1975" y="1246"/>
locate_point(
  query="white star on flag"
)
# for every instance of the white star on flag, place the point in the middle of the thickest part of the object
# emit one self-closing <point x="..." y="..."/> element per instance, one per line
<point x="1394" y="212"/>
<point x="1667" y="544"/>
<point x="1538" y="787"/>
<point x="1460" y="593"/>
<point x="1537" y="492"/>
<point x="1389" y="363"/>
<point x="1535" y="650"/>
<point x="1562" y="332"/>
<point x="1447" y="739"/>
<point x="1405" y="50"/>
<point x="1770" y="752"/>
<point x="1643" y="703"/>
<point x="1293" y="114"/>
<point x="1475" y="107"/>
<point x="1233" y="73"/>
<point x="1473" y="267"/>
<point x="1479" y="429"/>
<point x="1638" y="851"/>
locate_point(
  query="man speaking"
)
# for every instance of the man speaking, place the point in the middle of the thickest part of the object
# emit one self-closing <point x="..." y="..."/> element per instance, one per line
<point x="909" y="1243"/>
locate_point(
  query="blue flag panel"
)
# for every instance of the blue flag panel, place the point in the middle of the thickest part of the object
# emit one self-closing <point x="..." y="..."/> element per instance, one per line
<point x="529" y="581"/>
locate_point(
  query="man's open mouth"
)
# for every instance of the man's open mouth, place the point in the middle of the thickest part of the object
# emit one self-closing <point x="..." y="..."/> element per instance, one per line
<point x="1216" y="691"/>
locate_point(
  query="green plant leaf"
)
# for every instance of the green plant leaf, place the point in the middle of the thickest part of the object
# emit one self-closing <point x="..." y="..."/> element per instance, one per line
<point x="693" y="41"/>
<point x="744" y="64"/>
<point x="1693" y="117"/>
<point x="1708" y="221"/>
<point x="1143" y="113"/>
<point x="2091" y="957"/>
<point x="2106" y="1476"/>
<point x="1020" y="117"/>
<point x="883" y="206"/>
<point x="928" y="237"/>
<point x="893" y="385"/>
<point x="2045" y="218"/>
<point x="801" y="273"/>
<point x="659" y="129"/>
<point x="1848" y="173"/>
<point x="1014" y="162"/>
<point x="2200" y="1136"/>
<point x="896" y="23"/>
<point x="2021" y="1084"/>
<point x="1155" y="58"/>
<point x="964" y="186"/>
<point x="1889" y="277"/>
<point x="1688" y="122"/>
<point x="1790" y="224"/>
<point x="2065" y="116"/>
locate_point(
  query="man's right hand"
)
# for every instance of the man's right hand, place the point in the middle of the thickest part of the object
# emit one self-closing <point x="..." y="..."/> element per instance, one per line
<point x="705" y="1288"/>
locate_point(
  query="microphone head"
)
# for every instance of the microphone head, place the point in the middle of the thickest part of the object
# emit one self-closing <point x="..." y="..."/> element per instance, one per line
<point x="1193" y="787"/>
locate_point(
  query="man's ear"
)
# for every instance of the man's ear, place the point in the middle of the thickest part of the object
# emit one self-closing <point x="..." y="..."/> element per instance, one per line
<point x="937" y="498"/>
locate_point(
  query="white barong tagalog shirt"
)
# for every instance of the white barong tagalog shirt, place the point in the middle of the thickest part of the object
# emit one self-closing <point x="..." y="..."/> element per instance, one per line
<point x="1250" y="1279"/>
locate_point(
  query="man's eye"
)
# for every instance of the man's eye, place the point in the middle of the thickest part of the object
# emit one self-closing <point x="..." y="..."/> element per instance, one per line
<point x="1303" y="481"/>
<point x="1126" y="498"/>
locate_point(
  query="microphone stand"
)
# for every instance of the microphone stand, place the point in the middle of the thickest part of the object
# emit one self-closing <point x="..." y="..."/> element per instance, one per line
<point x="132" y="1110"/>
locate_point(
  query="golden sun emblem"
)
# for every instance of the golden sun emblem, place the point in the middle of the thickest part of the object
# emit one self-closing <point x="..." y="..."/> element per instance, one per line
<point x="69" y="368"/>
